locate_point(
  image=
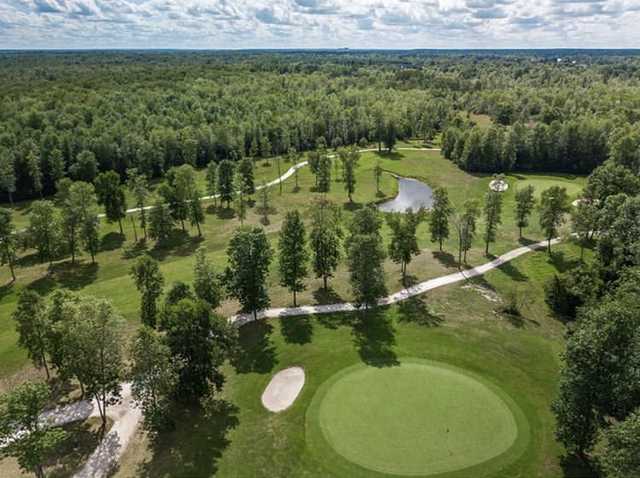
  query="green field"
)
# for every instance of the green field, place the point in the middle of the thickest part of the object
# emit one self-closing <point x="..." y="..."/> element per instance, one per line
<point x="416" y="418"/>
<point x="515" y="359"/>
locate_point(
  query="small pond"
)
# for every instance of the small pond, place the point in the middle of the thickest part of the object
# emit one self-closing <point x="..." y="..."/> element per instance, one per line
<point x="412" y="194"/>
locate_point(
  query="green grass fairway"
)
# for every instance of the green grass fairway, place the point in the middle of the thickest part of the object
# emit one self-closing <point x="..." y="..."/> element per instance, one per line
<point x="417" y="418"/>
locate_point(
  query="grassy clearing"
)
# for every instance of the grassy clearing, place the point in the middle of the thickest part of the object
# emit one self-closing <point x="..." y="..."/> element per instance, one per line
<point x="453" y="325"/>
<point x="109" y="278"/>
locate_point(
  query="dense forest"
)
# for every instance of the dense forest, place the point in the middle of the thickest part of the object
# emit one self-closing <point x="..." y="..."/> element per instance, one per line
<point x="77" y="114"/>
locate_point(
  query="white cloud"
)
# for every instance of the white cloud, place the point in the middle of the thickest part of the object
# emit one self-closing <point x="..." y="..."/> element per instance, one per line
<point x="318" y="23"/>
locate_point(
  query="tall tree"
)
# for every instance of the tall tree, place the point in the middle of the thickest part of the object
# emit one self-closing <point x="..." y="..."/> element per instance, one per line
<point x="525" y="203"/>
<point x="7" y="173"/>
<point x="33" y="328"/>
<point x="154" y="377"/>
<point x="584" y="222"/>
<point x="390" y="134"/>
<point x="226" y="174"/>
<point x="160" y="222"/>
<point x="205" y="282"/>
<point x="618" y="454"/>
<point x="93" y="343"/>
<point x="324" y="174"/>
<point x="249" y="255"/>
<point x="79" y="218"/>
<point x="44" y="229"/>
<point x="240" y="198"/>
<point x="293" y="254"/>
<point x="377" y="173"/>
<point x="365" y="253"/>
<point x="139" y="187"/>
<point x="404" y="242"/>
<point x="466" y="227"/>
<point x="326" y="240"/>
<point x="149" y="282"/>
<point x="200" y="342"/>
<point x="212" y="181"/>
<point x="492" y="217"/>
<point x="23" y="433"/>
<point x="196" y="213"/>
<point x="349" y="165"/>
<point x="8" y="241"/>
<point x="554" y="204"/>
<point x="111" y="195"/>
<point x="35" y="172"/>
<point x="245" y="169"/>
<point x="265" y="206"/>
<point x="439" y="217"/>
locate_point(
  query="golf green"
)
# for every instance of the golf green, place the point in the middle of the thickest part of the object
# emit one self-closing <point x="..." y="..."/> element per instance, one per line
<point x="417" y="418"/>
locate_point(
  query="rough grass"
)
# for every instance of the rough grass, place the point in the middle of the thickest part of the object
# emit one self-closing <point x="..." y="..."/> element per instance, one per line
<point x="109" y="277"/>
<point x="452" y="325"/>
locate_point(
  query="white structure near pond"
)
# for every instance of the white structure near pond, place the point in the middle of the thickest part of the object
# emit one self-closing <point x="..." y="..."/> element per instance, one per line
<point x="499" y="185"/>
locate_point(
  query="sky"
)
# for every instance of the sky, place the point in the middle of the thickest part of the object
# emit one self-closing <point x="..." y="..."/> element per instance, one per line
<point x="390" y="24"/>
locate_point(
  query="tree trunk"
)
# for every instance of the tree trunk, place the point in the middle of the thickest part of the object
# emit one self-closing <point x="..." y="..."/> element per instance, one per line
<point x="440" y="244"/>
<point x="295" y="302"/>
<point x="520" y="232"/>
<point x="13" y="272"/>
<point x="120" y="225"/>
<point x="46" y="367"/>
<point x="182" y="224"/>
<point x="135" y="232"/>
<point x="255" y="314"/>
<point x="549" y="245"/>
<point x="11" y="198"/>
<point x="486" y="249"/>
<point x="324" y="280"/>
<point x="199" y="231"/>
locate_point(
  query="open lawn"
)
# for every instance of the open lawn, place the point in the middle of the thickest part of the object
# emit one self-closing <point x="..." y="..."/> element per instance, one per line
<point x="515" y="359"/>
<point x="109" y="277"/>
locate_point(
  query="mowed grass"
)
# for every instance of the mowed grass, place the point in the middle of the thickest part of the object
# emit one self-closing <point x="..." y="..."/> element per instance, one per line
<point x="455" y="325"/>
<point x="109" y="278"/>
<point x="416" y="418"/>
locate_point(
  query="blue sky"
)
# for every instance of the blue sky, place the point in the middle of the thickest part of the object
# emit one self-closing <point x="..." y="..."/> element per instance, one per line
<point x="319" y="23"/>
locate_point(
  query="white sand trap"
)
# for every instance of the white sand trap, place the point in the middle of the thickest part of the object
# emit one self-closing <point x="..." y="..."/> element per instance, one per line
<point x="283" y="389"/>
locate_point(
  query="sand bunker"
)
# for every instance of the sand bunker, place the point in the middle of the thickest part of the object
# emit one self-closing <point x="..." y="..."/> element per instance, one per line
<point x="283" y="389"/>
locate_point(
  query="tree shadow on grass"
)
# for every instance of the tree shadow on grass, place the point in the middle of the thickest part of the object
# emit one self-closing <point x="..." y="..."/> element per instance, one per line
<point x="374" y="336"/>
<point x="64" y="274"/>
<point x="573" y="467"/>
<point x="226" y="213"/>
<point x="29" y="260"/>
<point x="327" y="296"/>
<point x="559" y="260"/>
<point x="352" y="206"/>
<point x="526" y="242"/>
<point x="195" y="446"/>
<point x="135" y="250"/>
<point x="112" y="241"/>
<point x="394" y="155"/>
<point x="445" y="258"/>
<point x="513" y="272"/>
<point x="6" y="289"/>
<point x="81" y="441"/>
<point x="256" y="352"/>
<point x="416" y="310"/>
<point x="180" y="243"/>
<point x="297" y="330"/>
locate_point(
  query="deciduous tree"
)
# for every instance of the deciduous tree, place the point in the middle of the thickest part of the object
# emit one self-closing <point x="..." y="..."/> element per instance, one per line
<point x="149" y="282"/>
<point x="293" y="254"/>
<point x="249" y="256"/>
<point x="439" y="217"/>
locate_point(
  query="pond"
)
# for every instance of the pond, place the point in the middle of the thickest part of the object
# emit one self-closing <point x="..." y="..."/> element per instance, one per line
<point x="412" y="194"/>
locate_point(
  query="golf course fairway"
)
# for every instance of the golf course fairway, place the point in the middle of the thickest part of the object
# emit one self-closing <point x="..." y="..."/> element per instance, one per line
<point x="419" y="418"/>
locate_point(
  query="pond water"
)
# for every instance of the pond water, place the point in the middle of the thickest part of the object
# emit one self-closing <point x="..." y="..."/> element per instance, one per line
<point x="412" y="194"/>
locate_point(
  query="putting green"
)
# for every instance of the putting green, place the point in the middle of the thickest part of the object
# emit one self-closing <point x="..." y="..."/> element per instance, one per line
<point x="418" y="418"/>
